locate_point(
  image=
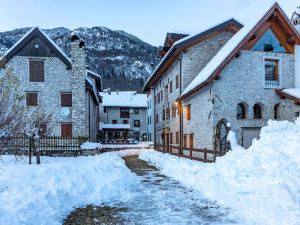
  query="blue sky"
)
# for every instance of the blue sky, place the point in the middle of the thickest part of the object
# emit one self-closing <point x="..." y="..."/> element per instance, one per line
<point x="149" y="20"/>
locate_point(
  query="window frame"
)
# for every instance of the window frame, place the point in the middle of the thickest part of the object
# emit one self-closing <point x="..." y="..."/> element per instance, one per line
<point x="66" y="123"/>
<point x="279" y="76"/>
<point x="138" y="125"/>
<point x="191" y="140"/>
<point x="32" y="92"/>
<point x="188" y="112"/>
<point x="36" y="60"/>
<point x="122" y="113"/>
<point x="66" y="93"/>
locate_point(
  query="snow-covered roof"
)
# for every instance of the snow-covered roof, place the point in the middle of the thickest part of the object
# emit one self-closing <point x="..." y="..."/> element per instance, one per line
<point x="224" y="53"/>
<point x="293" y="92"/>
<point x="124" y="99"/>
<point x="37" y="29"/>
<point x="114" y="126"/>
<point x="190" y="38"/>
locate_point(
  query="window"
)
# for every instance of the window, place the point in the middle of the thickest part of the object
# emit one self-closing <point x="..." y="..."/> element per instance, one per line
<point x="271" y="73"/>
<point x="276" y="111"/>
<point x="191" y="140"/>
<point x="104" y="109"/>
<point x="32" y="99"/>
<point x="42" y="128"/>
<point x="171" y="87"/>
<point x="66" y="129"/>
<point x="137" y="123"/>
<point x="171" y="138"/>
<point x="168" y="113"/>
<point x="185" y="141"/>
<point x="150" y="120"/>
<point x="136" y="111"/>
<point x="125" y="121"/>
<point x="124" y="113"/>
<point x="177" y="138"/>
<point x="164" y="114"/>
<point x="114" y="121"/>
<point x="297" y="114"/>
<point x="269" y="43"/>
<point x="188" y="112"/>
<point x="161" y="95"/>
<point x="177" y="81"/>
<point x="156" y="118"/>
<point x="241" y="111"/>
<point x="36" y="71"/>
<point x="257" y="111"/>
<point x="174" y="110"/>
<point x="66" y="99"/>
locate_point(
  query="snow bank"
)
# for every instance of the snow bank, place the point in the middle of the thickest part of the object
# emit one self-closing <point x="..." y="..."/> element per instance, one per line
<point x="45" y="194"/>
<point x="92" y="145"/>
<point x="262" y="183"/>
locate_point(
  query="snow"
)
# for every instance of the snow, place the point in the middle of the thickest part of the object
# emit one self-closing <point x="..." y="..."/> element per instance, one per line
<point x="45" y="194"/>
<point x="124" y="99"/>
<point x="92" y="145"/>
<point x="261" y="184"/>
<point x="114" y="126"/>
<point x="293" y="92"/>
<point x="222" y="54"/>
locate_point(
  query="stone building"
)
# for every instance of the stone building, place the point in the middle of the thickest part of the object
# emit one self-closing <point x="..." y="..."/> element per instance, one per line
<point x="226" y="77"/>
<point x="55" y="86"/>
<point x="121" y="111"/>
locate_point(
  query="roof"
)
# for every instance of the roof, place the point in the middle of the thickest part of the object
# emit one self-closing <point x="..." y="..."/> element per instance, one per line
<point x="33" y="32"/>
<point x="230" y="49"/>
<point x="114" y="126"/>
<point x="91" y="87"/>
<point x="98" y="79"/>
<point x="290" y="93"/>
<point x="124" y="99"/>
<point x="186" y="42"/>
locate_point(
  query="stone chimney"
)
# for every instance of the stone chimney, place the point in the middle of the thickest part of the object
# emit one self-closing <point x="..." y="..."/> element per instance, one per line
<point x="296" y="22"/>
<point x="79" y="102"/>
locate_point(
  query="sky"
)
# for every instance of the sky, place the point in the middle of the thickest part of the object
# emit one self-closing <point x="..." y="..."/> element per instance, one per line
<point x="149" y="20"/>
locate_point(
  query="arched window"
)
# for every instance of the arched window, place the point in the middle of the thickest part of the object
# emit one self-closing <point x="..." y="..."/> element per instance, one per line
<point x="276" y="111"/>
<point x="257" y="111"/>
<point x="241" y="111"/>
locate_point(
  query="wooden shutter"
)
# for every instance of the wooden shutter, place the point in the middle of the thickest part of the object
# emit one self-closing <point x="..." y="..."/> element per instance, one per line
<point x="177" y="137"/>
<point x="188" y="112"/>
<point x="171" y="87"/>
<point x="185" y="141"/>
<point x="66" y="100"/>
<point x="36" y="71"/>
<point x="66" y="129"/>
<point x="171" y="138"/>
<point x="191" y="140"/>
<point x="31" y="99"/>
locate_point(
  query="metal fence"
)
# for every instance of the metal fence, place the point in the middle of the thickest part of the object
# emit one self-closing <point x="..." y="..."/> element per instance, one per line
<point x="203" y="155"/>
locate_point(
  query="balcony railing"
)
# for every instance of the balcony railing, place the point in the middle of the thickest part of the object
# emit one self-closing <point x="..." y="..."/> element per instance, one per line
<point x="272" y="83"/>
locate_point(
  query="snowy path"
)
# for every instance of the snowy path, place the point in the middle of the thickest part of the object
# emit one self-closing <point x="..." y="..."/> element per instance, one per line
<point x="161" y="200"/>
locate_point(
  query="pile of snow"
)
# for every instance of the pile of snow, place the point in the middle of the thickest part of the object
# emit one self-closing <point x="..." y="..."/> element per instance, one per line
<point x="261" y="183"/>
<point x="47" y="193"/>
<point x="92" y="145"/>
<point x="292" y="91"/>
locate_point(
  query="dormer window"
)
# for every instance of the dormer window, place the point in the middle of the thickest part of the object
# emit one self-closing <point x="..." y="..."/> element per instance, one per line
<point x="272" y="75"/>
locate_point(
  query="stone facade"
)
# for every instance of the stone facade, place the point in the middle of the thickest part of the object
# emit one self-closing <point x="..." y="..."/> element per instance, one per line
<point x="191" y="62"/>
<point x="58" y="79"/>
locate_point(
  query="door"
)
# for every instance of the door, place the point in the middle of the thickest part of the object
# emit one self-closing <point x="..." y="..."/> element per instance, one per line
<point x="249" y="134"/>
<point x="221" y="137"/>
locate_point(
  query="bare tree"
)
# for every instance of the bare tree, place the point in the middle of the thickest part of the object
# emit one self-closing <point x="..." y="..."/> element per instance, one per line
<point x="11" y="103"/>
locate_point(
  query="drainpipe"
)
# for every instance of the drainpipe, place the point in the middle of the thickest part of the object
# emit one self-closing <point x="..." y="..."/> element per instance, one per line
<point x="89" y="105"/>
<point x="180" y="105"/>
<point x="154" y="117"/>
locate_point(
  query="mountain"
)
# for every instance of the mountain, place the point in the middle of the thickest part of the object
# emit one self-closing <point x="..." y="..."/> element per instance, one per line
<point x="123" y="60"/>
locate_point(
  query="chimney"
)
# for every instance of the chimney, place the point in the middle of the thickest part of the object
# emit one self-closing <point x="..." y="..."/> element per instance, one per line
<point x="79" y="103"/>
